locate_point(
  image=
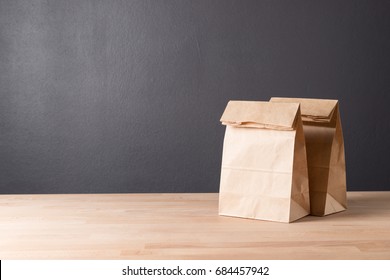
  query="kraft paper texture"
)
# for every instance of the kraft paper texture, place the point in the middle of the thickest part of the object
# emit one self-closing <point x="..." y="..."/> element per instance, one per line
<point x="325" y="154"/>
<point x="264" y="170"/>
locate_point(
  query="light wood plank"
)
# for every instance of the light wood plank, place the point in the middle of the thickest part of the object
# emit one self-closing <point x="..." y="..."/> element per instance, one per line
<point x="183" y="226"/>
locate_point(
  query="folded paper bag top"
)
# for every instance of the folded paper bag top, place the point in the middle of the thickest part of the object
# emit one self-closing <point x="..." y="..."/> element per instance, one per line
<point x="316" y="110"/>
<point x="264" y="169"/>
<point x="325" y="154"/>
<point x="260" y="114"/>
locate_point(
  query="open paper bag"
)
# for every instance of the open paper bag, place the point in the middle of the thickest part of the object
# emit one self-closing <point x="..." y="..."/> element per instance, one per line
<point x="264" y="170"/>
<point x="325" y="154"/>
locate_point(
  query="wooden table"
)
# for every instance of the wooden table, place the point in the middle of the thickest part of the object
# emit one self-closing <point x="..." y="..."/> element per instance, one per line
<point x="183" y="226"/>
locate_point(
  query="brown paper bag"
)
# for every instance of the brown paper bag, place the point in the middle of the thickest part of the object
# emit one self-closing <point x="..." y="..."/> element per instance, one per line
<point x="325" y="154"/>
<point x="264" y="169"/>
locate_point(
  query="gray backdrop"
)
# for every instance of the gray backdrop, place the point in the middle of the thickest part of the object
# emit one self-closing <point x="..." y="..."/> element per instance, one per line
<point x="126" y="96"/>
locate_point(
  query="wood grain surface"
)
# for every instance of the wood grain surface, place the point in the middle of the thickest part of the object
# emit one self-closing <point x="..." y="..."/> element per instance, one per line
<point x="183" y="226"/>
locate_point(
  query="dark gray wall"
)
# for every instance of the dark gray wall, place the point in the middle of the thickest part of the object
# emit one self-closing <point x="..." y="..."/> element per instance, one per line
<point x="126" y="96"/>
